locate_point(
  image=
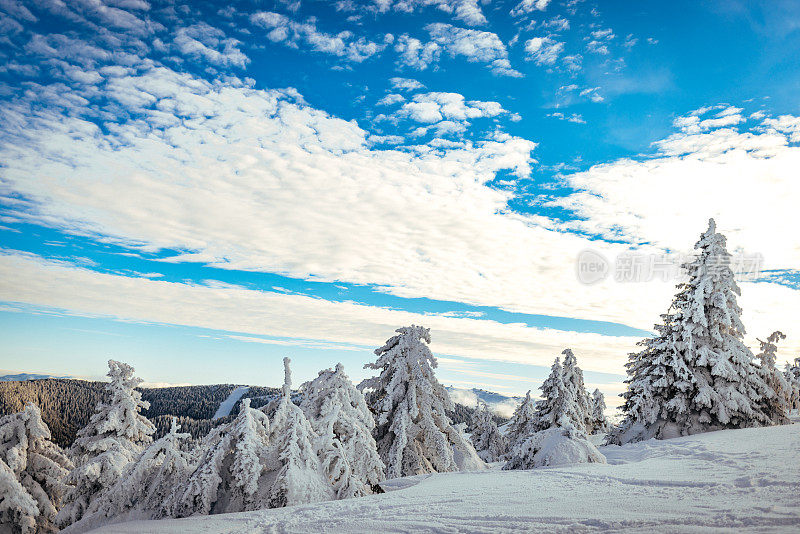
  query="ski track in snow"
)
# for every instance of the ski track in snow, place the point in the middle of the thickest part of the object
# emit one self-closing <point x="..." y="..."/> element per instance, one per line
<point x="730" y="481"/>
<point x="226" y="406"/>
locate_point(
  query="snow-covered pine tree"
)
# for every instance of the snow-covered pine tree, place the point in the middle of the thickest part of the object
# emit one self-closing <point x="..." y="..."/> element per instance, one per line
<point x="296" y="475"/>
<point x="487" y="439"/>
<point x="696" y="375"/>
<point x="233" y="466"/>
<point x="659" y="383"/>
<point x="413" y="433"/>
<point x="115" y="436"/>
<point x="343" y="424"/>
<point x="201" y="490"/>
<point x="792" y="377"/>
<point x="147" y="484"/>
<point x="776" y="405"/>
<point x="523" y="422"/>
<point x="600" y="424"/>
<point x="573" y="380"/>
<point x="709" y="334"/>
<point x="560" y="406"/>
<point x="560" y="431"/>
<point x="38" y="464"/>
<point x="18" y="510"/>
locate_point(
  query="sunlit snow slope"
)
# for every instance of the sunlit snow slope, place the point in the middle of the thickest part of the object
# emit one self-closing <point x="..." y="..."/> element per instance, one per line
<point x="227" y="405"/>
<point x="735" y="480"/>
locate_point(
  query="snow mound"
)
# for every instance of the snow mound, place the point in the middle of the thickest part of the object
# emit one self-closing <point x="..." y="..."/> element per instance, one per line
<point x="552" y="447"/>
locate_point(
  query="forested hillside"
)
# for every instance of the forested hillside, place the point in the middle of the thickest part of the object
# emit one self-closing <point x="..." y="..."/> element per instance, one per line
<point x="68" y="404"/>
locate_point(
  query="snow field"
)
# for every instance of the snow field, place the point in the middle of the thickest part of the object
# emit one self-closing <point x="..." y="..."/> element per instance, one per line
<point x="727" y="481"/>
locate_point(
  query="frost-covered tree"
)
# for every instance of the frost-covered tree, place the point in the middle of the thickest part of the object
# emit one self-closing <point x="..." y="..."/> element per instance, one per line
<point x="147" y="484"/>
<point x="234" y="462"/>
<point x="573" y="380"/>
<point x="792" y="377"/>
<point x="696" y="375"/>
<point x="296" y="476"/>
<point x="413" y="433"/>
<point x="487" y="439"/>
<point x="599" y="422"/>
<point x="115" y="436"/>
<point x="523" y="422"/>
<point x="18" y="510"/>
<point x="37" y="464"/>
<point x="339" y="415"/>
<point x="776" y="404"/>
<point x="659" y="383"/>
<point x="560" y="405"/>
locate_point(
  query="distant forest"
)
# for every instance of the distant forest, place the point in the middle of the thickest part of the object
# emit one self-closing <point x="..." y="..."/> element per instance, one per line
<point x="67" y="405"/>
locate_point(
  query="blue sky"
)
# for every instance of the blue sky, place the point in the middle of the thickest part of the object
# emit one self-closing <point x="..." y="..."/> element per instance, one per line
<point x="201" y="191"/>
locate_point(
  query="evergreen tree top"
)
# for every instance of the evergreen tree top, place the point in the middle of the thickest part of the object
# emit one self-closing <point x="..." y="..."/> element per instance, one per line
<point x="287" y="379"/>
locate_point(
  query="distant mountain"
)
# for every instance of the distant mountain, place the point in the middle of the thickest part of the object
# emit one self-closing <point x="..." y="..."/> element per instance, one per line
<point x="500" y="404"/>
<point x="28" y="376"/>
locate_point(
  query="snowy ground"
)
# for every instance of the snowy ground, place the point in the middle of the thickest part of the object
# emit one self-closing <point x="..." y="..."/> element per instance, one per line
<point x="226" y="406"/>
<point x="735" y="480"/>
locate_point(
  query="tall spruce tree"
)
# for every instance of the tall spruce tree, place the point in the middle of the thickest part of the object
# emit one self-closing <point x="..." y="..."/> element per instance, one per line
<point x="523" y="422"/>
<point x="573" y="379"/>
<point x="115" y="436"/>
<point x="599" y="421"/>
<point x="341" y="419"/>
<point x="776" y="404"/>
<point x="696" y="375"/>
<point x="296" y="476"/>
<point x="792" y="376"/>
<point x="560" y="406"/>
<point x="413" y="433"/>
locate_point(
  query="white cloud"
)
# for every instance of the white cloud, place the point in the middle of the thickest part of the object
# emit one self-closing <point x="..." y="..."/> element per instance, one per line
<point x="742" y="178"/>
<point x="543" y="50"/>
<point x="467" y="11"/>
<point x="557" y="24"/>
<point x="597" y="47"/>
<point x="335" y="325"/>
<point x="434" y="107"/>
<point x="422" y="111"/>
<point x="203" y="41"/>
<point x="603" y="35"/>
<point x="474" y="45"/>
<point x="529" y="6"/>
<point x="574" y="117"/>
<point x="282" y="29"/>
<point x="257" y="180"/>
<point x="786" y="124"/>
<point x="593" y="94"/>
<point x="414" y="53"/>
<point x="391" y="99"/>
<point x="405" y="84"/>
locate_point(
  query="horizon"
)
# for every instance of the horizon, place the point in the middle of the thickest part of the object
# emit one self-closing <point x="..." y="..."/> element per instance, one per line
<point x="199" y="192"/>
